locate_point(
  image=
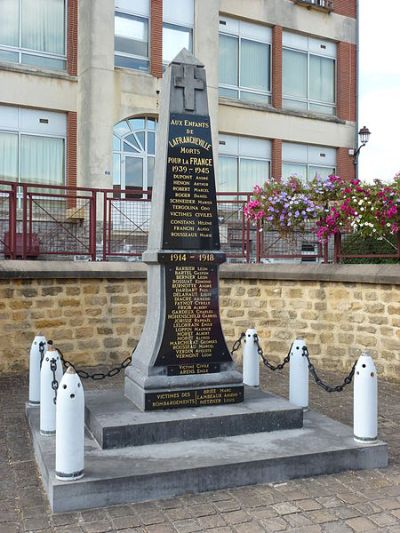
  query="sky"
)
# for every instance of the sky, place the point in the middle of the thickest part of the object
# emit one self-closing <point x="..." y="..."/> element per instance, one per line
<point x="379" y="98"/>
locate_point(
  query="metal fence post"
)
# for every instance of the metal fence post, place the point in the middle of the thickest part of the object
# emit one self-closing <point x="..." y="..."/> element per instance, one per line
<point x="92" y="226"/>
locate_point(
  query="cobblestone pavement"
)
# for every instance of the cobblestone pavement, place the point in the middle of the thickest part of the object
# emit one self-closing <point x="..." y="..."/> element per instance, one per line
<point x="351" y="501"/>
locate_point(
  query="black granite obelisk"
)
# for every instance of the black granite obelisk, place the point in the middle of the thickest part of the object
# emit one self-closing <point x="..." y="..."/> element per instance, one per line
<point x="182" y="359"/>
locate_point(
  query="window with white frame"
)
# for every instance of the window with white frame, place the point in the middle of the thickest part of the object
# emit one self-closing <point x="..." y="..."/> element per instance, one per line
<point x="32" y="145"/>
<point x="178" y="22"/>
<point x="32" y="32"/>
<point x="308" y="74"/>
<point x="242" y="163"/>
<point x="134" y="145"/>
<point x="307" y="161"/>
<point x="132" y="34"/>
<point x="244" y="61"/>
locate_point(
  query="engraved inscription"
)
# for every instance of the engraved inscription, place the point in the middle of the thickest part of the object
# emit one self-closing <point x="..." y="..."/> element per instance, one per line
<point x="194" y="398"/>
<point x="192" y="334"/>
<point x="190" y="220"/>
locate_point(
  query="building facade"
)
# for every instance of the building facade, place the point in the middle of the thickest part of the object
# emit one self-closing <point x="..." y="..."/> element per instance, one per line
<point x="80" y="84"/>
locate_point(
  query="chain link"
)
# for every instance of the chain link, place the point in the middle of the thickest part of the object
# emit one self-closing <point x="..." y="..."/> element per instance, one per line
<point x="265" y="360"/>
<point x="328" y="388"/>
<point x="41" y="351"/>
<point x="54" y="383"/>
<point x="96" y="376"/>
<point x="238" y="343"/>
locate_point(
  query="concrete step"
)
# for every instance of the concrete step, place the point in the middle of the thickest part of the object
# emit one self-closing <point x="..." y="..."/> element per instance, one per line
<point x="157" y="471"/>
<point x="115" y="422"/>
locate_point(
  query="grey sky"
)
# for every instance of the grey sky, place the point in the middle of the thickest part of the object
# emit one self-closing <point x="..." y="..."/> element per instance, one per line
<point x="380" y="88"/>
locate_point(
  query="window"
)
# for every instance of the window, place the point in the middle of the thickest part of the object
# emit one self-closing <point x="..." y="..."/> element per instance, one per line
<point x="134" y="144"/>
<point x="32" y="146"/>
<point x="243" y="162"/>
<point x="309" y="74"/>
<point x="178" y="22"/>
<point x="132" y="34"/>
<point x="32" y="32"/>
<point x="244" y="61"/>
<point x="307" y="161"/>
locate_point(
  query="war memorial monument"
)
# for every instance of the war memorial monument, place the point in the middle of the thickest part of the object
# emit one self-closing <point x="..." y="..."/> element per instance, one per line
<point x="185" y="422"/>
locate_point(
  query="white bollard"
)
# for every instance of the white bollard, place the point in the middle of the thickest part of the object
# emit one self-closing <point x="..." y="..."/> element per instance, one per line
<point x="47" y="393"/>
<point x="251" y="361"/>
<point x="298" y="375"/>
<point x="39" y="346"/>
<point x="365" y="400"/>
<point x="70" y="427"/>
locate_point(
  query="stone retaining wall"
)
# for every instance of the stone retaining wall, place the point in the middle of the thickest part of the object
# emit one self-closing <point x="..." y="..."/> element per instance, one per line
<point x="95" y="311"/>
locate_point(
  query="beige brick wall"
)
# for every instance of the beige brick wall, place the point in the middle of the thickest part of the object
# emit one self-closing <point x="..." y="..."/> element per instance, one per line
<point x="97" y="319"/>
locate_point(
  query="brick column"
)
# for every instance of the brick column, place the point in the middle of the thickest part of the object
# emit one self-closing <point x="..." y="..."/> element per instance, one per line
<point x="276" y="160"/>
<point x="72" y="38"/>
<point x="156" y="38"/>
<point x="277" y="67"/>
<point x="71" y="163"/>
<point x="346" y="81"/>
<point x="344" y="163"/>
<point x="347" y="8"/>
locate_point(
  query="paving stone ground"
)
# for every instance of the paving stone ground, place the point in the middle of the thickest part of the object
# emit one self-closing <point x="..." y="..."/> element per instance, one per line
<point x="352" y="501"/>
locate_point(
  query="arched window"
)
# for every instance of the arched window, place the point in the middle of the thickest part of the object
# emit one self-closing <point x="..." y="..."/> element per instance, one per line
<point x="134" y="143"/>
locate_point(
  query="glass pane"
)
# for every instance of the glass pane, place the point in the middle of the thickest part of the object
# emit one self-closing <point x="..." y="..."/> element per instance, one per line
<point x="295" y="104"/>
<point x="326" y="109"/>
<point x="228" y="93"/>
<point x="42" y="160"/>
<point x="151" y="140"/>
<point x="252" y="172"/>
<point x="116" y="169"/>
<point x="322" y="79"/>
<point x="174" y="39"/>
<point x="137" y="123"/>
<point x="150" y="172"/>
<point x="255" y="98"/>
<point x="9" y="57"/>
<point x="8" y="156"/>
<point x="294" y="73"/>
<point x="45" y="62"/>
<point x="254" y="65"/>
<point x="151" y="124"/>
<point x="128" y="148"/>
<point x="228" y="60"/>
<point x="121" y="128"/>
<point x="132" y="140"/>
<point x="323" y="172"/>
<point x="131" y="35"/>
<point x="131" y="62"/>
<point x="116" y="143"/>
<point x="43" y="25"/>
<point x="227" y="174"/>
<point x="141" y="138"/>
<point x="9" y="25"/>
<point x="297" y="170"/>
<point x="134" y="172"/>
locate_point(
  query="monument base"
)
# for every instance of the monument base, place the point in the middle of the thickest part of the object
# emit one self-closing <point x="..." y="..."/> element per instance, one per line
<point x="151" y="393"/>
<point x="167" y="469"/>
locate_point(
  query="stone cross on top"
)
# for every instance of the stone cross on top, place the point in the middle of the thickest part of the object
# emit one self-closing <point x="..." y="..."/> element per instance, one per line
<point x="188" y="74"/>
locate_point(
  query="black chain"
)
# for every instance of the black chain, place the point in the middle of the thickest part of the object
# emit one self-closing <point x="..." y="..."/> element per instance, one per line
<point x="238" y="343"/>
<point x="96" y="376"/>
<point x="41" y="351"/>
<point x="54" y="383"/>
<point x="265" y="360"/>
<point x="328" y="388"/>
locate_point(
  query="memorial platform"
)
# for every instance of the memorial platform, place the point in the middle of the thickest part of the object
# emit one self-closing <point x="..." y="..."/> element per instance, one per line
<point x="203" y="459"/>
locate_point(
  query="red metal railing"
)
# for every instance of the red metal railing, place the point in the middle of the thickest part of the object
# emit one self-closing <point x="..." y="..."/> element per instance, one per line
<point x="43" y="221"/>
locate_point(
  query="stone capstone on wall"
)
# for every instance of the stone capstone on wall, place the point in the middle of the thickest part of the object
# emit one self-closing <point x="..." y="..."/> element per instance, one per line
<point x="95" y="312"/>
